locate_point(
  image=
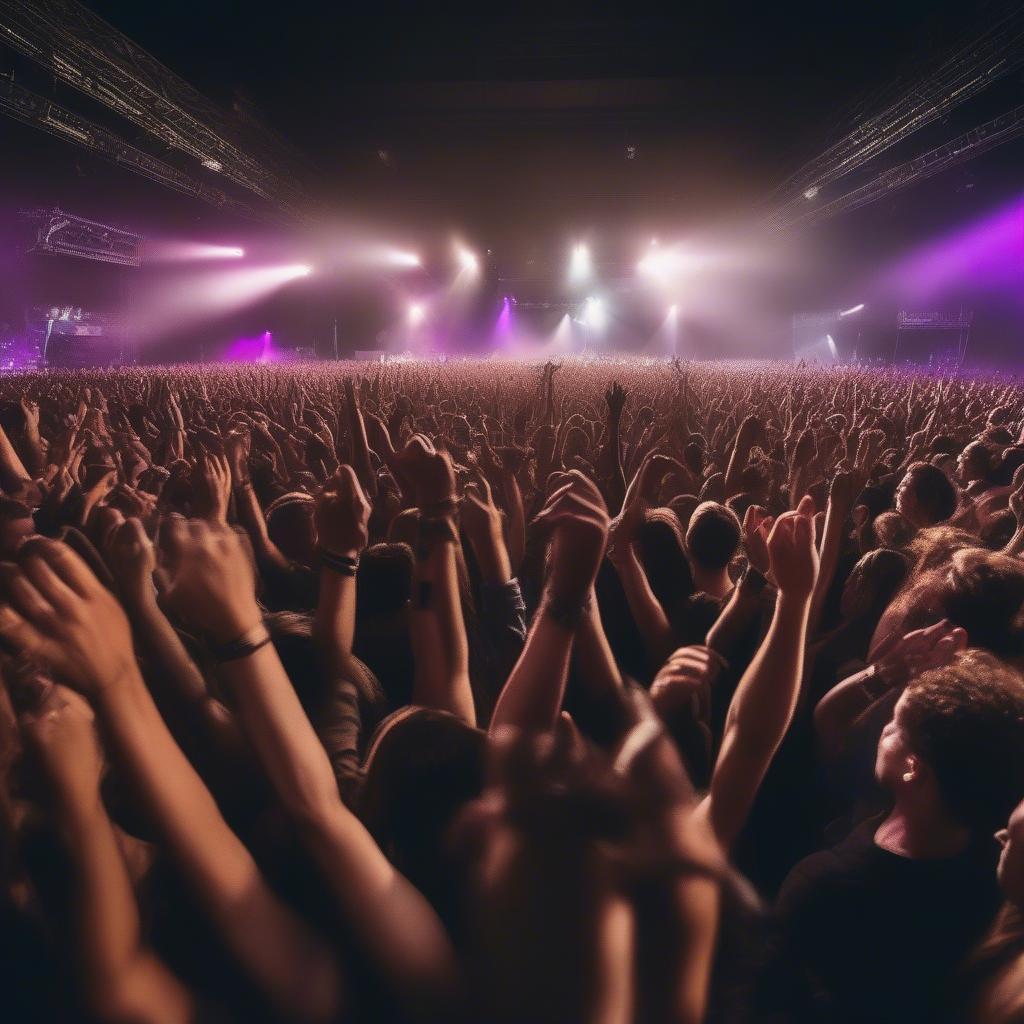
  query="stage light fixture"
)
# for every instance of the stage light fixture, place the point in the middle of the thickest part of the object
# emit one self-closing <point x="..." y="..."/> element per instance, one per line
<point x="852" y="309"/>
<point x="303" y="270"/>
<point x="213" y="165"/>
<point x="812" y="192"/>
<point x="416" y="314"/>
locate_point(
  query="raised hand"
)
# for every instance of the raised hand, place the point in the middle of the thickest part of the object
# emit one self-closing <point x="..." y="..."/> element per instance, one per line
<point x="757" y="526"/>
<point x="131" y="558"/>
<point x="685" y="680"/>
<point x="792" y="555"/>
<point x="921" y="650"/>
<point x="615" y="399"/>
<point x="577" y="520"/>
<point x="430" y="472"/>
<point x="215" y="487"/>
<point x="210" y="581"/>
<point x="59" y="614"/>
<point x="342" y="514"/>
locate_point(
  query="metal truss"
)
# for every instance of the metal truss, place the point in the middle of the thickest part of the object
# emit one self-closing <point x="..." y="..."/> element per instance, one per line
<point x="68" y="235"/>
<point x="999" y="51"/>
<point x="82" y="50"/>
<point x="39" y="112"/>
<point x="965" y="147"/>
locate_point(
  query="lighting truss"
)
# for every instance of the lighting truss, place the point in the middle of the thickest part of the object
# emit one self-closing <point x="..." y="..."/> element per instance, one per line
<point x="967" y="72"/>
<point x="82" y="50"/>
<point x="68" y="235"/>
<point x="32" y="109"/>
<point x="965" y="147"/>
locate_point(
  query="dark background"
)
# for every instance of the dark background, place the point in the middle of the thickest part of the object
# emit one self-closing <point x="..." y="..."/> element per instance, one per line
<point x="511" y="127"/>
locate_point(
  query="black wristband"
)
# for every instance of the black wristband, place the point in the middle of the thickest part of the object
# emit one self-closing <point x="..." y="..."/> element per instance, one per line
<point x="433" y="531"/>
<point x="242" y="646"/>
<point x="344" y="565"/>
<point x="566" y="613"/>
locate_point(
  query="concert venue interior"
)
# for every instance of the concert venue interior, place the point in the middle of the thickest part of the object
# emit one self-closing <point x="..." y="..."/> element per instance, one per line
<point x="512" y="513"/>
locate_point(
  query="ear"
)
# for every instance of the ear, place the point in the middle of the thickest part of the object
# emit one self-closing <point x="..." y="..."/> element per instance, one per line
<point x="911" y="769"/>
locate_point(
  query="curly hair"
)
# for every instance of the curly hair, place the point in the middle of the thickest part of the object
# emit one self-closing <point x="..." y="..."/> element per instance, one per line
<point x="966" y="722"/>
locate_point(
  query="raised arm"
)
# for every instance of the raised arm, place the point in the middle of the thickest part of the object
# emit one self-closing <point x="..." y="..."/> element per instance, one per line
<point x="766" y="697"/>
<point x="357" y="438"/>
<point x="578" y="522"/>
<point x="119" y="978"/>
<point x="396" y="928"/>
<point x="61" y="615"/>
<point x="342" y="518"/>
<point x="438" y="631"/>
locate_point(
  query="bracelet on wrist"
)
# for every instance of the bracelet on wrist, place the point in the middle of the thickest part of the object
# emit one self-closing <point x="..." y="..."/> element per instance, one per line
<point x="439" y="509"/>
<point x="565" y="612"/>
<point x="344" y="565"/>
<point x="433" y="531"/>
<point x="242" y="646"/>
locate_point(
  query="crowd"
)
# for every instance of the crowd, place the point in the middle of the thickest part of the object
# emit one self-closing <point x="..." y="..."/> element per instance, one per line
<point x="599" y="692"/>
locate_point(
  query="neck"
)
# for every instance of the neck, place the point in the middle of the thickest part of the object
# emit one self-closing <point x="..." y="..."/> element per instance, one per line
<point x="921" y="833"/>
<point x="715" y="582"/>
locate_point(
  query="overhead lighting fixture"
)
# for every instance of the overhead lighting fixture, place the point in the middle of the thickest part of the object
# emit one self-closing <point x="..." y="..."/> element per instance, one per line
<point x="811" y="192"/>
<point x="416" y="314"/>
<point x="213" y="165"/>
<point x="852" y="309"/>
<point x="397" y="258"/>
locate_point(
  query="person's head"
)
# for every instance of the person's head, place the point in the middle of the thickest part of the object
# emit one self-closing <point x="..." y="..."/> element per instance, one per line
<point x="892" y="530"/>
<point x="290" y="526"/>
<point x="683" y="505"/>
<point x="955" y="745"/>
<point x="934" y="546"/>
<point x="925" y="495"/>
<point x="983" y="591"/>
<point x="693" y="457"/>
<point x="660" y="546"/>
<point x="16" y="524"/>
<point x="976" y="462"/>
<point x="1011" y="861"/>
<point x="422" y="767"/>
<point x="713" y="536"/>
<point x="873" y="582"/>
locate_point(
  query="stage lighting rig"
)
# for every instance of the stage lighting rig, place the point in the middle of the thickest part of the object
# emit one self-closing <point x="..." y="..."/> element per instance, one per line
<point x="81" y="49"/>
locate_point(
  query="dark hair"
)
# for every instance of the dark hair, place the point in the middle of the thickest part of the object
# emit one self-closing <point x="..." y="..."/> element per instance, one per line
<point x="892" y="530"/>
<point x="984" y="593"/>
<point x="713" y="537"/>
<point x="660" y="546"/>
<point x="933" y="492"/>
<point x="422" y="767"/>
<point x="966" y="721"/>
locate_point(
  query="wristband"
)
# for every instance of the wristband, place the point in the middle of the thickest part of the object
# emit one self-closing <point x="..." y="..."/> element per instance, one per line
<point x="344" y="565"/>
<point x="565" y="613"/>
<point x="242" y="646"/>
<point x="433" y="531"/>
<point x="439" y="509"/>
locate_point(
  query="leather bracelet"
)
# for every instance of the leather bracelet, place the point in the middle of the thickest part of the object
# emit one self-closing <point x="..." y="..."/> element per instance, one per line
<point x="242" y="646"/>
<point x="432" y="531"/>
<point x="567" y="614"/>
<point x="344" y="565"/>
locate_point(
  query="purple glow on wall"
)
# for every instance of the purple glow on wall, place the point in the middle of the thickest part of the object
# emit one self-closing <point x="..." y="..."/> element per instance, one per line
<point x="986" y="255"/>
<point x="252" y="350"/>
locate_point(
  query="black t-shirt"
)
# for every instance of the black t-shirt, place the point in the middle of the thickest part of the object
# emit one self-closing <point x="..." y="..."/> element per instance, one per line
<point x="867" y="935"/>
